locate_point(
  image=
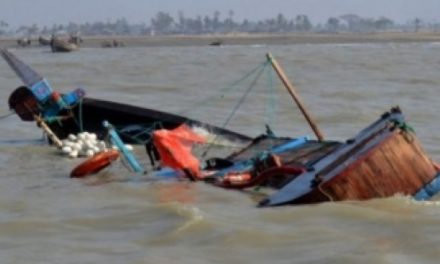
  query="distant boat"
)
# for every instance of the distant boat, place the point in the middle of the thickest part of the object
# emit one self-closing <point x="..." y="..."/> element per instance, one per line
<point x="24" y="42"/>
<point x="216" y="43"/>
<point x="60" y="45"/>
<point x="112" y="43"/>
<point x="44" y="41"/>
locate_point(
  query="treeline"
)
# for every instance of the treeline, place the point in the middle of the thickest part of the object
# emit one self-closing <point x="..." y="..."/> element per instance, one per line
<point x="165" y="24"/>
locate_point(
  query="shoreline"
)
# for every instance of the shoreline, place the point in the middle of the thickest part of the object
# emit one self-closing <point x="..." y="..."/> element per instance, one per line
<point x="249" y="39"/>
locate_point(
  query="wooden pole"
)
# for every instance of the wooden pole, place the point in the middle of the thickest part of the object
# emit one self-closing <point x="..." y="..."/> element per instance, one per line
<point x="50" y="134"/>
<point x="45" y="127"/>
<point x="291" y="89"/>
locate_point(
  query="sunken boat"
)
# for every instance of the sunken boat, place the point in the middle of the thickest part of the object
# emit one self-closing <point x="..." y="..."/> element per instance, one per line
<point x="382" y="160"/>
<point x="74" y="112"/>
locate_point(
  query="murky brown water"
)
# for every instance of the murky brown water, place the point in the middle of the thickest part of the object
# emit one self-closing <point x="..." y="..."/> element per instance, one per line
<point x="45" y="217"/>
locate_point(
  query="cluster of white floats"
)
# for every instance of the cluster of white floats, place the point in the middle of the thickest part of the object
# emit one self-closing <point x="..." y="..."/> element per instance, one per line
<point x="85" y="144"/>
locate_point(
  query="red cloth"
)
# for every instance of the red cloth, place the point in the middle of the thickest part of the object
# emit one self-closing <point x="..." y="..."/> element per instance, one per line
<point x="174" y="147"/>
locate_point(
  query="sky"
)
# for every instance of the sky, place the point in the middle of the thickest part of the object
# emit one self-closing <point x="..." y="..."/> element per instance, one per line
<point x="49" y="12"/>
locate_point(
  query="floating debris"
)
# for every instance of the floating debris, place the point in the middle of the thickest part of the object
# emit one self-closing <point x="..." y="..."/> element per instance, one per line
<point x="84" y="144"/>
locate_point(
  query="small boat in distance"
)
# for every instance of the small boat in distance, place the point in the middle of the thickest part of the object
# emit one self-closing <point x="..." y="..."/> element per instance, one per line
<point x="216" y="43"/>
<point x="24" y="42"/>
<point x="114" y="43"/>
<point x="62" y="45"/>
<point x="44" y="41"/>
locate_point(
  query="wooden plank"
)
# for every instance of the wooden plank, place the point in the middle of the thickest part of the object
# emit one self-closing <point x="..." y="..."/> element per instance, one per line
<point x="396" y="165"/>
<point x="292" y="91"/>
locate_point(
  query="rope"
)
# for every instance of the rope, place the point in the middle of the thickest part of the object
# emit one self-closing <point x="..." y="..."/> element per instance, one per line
<point x="149" y="130"/>
<point x="406" y="129"/>
<point x="58" y="118"/>
<point x="403" y="126"/>
<point x="270" y="106"/>
<point x="222" y="92"/>
<point x="237" y="106"/>
<point x="325" y="193"/>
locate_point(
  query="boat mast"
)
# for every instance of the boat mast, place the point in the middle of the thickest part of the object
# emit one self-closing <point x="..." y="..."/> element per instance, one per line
<point x="291" y="89"/>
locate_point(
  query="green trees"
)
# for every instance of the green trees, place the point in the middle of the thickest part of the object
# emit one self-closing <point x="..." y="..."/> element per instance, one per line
<point x="164" y="23"/>
<point x="3" y="27"/>
<point x="355" y="23"/>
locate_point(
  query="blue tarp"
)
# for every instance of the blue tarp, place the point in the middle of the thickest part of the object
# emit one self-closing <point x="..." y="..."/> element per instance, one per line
<point x="428" y="190"/>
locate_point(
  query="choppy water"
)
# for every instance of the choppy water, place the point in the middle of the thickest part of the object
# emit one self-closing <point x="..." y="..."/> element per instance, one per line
<point x="45" y="217"/>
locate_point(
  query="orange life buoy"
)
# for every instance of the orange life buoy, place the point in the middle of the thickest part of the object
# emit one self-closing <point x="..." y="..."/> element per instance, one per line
<point x="95" y="164"/>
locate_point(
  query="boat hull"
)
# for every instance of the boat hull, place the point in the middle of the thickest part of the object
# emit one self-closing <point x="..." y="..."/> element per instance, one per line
<point x="76" y="113"/>
<point x="383" y="160"/>
<point x="58" y="45"/>
<point x="134" y="124"/>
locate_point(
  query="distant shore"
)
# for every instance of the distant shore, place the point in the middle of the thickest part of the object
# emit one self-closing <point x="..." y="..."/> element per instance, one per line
<point x="250" y="39"/>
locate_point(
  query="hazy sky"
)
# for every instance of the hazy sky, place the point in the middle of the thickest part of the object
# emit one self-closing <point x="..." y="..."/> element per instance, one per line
<point x="48" y="12"/>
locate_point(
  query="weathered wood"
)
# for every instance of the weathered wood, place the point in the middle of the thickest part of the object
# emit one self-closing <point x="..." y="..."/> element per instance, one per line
<point x="48" y="131"/>
<point x="292" y="91"/>
<point x="396" y="165"/>
<point x="382" y="160"/>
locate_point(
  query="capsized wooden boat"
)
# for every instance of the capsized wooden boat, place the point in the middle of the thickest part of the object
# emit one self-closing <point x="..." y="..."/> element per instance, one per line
<point x="74" y="112"/>
<point x="382" y="160"/>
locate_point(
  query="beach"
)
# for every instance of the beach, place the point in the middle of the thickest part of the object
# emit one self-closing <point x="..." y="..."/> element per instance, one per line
<point x="250" y="39"/>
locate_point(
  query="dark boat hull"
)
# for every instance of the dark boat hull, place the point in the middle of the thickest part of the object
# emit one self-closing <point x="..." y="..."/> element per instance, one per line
<point x="133" y="123"/>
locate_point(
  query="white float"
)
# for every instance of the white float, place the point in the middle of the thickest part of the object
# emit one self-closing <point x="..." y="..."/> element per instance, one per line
<point x="84" y="144"/>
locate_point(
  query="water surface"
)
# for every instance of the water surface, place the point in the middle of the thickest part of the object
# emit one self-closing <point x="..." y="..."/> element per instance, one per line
<point x="121" y="218"/>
